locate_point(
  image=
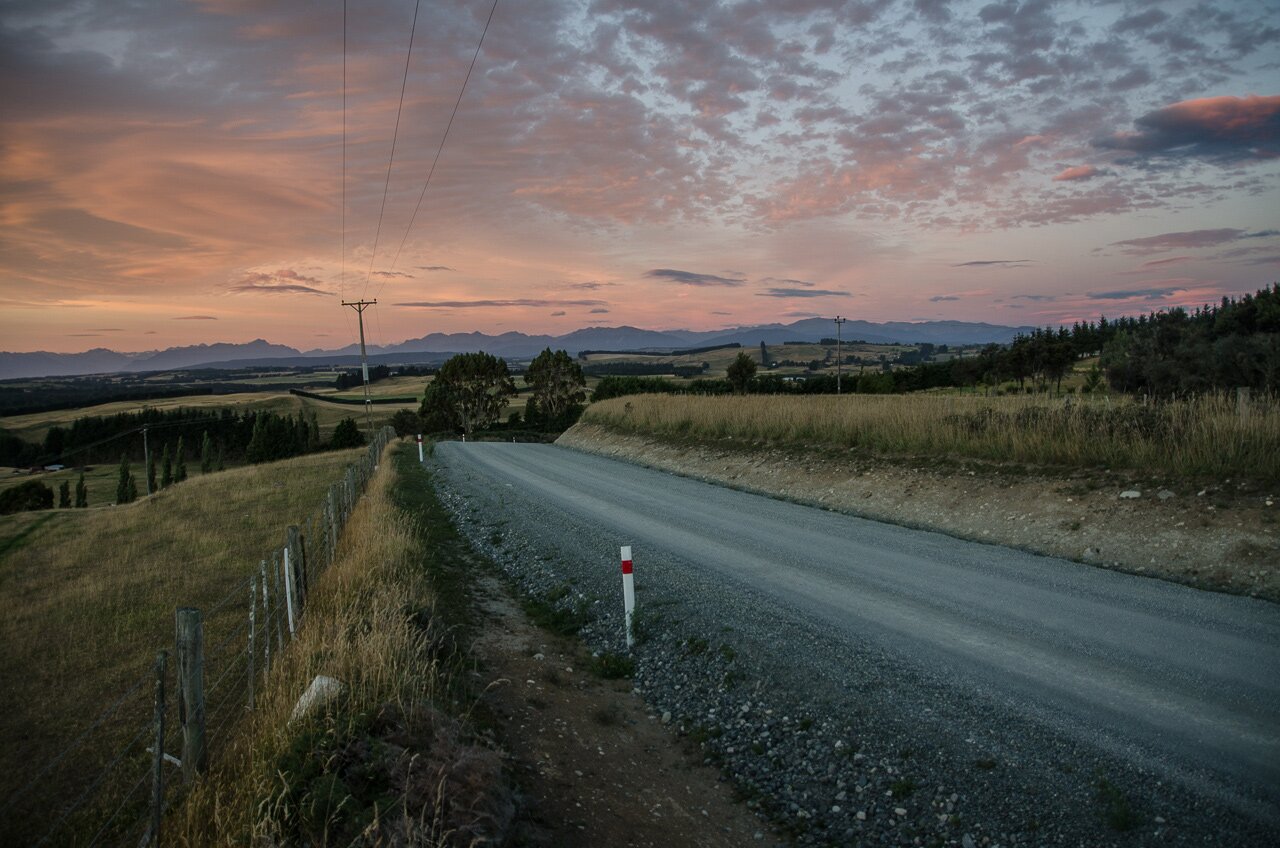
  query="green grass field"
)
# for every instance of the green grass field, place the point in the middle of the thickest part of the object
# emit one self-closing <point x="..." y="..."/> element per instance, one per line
<point x="88" y="596"/>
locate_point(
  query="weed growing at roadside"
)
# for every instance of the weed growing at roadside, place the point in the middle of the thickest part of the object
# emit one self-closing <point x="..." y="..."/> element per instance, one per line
<point x="613" y="666"/>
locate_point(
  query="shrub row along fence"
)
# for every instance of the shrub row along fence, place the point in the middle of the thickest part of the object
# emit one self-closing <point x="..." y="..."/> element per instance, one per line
<point x="162" y="731"/>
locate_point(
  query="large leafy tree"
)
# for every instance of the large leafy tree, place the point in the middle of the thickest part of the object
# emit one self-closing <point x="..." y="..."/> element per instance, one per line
<point x="473" y="387"/>
<point x="557" y="383"/>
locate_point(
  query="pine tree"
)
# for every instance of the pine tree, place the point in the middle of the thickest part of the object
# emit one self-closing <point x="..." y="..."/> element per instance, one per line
<point x="180" y="459"/>
<point x="126" y="489"/>
<point x="218" y="465"/>
<point x="166" y="468"/>
<point x="64" y="495"/>
<point x="206" y="454"/>
<point x="151" y="472"/>
<point x="82" y="493"/>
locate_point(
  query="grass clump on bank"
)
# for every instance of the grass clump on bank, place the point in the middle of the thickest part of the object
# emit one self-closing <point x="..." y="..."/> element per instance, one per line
<point x="1204" y="436"/>
<point x="382" y="763"/>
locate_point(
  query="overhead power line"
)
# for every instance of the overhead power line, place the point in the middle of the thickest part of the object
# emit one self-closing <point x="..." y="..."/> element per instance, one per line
<point x="391" y="160"/>
<point x="443" y="139"/>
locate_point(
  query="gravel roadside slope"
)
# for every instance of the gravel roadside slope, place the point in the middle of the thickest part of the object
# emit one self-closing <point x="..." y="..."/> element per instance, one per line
<point x="845" y="739"/>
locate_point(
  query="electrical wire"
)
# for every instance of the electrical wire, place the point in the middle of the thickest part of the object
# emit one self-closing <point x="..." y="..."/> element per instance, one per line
<point x="391" y="160"/>
<point x="443" y="139"/>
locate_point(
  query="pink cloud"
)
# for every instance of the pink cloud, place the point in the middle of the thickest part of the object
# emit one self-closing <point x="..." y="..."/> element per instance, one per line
<point x="1078" y="172"/>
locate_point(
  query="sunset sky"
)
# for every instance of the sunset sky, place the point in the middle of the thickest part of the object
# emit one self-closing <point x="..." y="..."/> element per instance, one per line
<point x="172" y="172"/>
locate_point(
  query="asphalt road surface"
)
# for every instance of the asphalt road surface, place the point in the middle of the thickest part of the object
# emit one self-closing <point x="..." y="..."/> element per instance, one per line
<point x="1183" y="683"/>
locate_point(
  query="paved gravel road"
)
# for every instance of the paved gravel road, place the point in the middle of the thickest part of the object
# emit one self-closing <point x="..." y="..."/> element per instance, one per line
<point x="1045" y="700"/>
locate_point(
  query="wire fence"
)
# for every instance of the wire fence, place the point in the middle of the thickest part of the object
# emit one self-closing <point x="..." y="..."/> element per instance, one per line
<point x="111" y="784"/>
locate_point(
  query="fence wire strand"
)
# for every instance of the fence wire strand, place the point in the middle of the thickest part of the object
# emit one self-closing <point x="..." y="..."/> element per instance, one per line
<point x="93" y="787"/>
<point x="102" y="719"/>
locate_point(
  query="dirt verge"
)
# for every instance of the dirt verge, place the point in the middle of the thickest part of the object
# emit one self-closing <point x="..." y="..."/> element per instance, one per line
<point x="1219" y="535"/>
<point x="596" y="767"/>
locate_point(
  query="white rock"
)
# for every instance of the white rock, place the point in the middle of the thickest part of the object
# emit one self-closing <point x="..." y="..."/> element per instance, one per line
<point x="1091" y="555"/>
<point x="1130" y="494"/>
<point x="861" y="815"/>
<point x="321" y="691"/>
<point x="539" y="657"/>
<point x="899" y="811"/>
<point x="666" y="717"/>
<point x="1164" y="494"/>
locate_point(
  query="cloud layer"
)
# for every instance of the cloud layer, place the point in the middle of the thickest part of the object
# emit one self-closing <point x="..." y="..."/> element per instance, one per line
<point x="621" y="146"/>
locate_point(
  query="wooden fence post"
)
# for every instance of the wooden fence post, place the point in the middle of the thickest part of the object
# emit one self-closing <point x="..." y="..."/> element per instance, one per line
<point x="266" y="618"/>
<point x="157" y="759"/>
<point x="190" y="654"/>
<point x="288" y="592"/>
<point x="275" y="580"/>
<point x="333" y="524"/>
<point x="253" y="632"/>
<point x="299" y="567"/>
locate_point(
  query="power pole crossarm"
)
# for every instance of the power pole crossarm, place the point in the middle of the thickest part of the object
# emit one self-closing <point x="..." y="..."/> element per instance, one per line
<point x="360" y="306"/>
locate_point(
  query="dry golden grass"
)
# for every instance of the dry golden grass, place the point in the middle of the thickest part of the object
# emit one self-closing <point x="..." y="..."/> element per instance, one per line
<point x="88" y="596"/>
<point x="1200" y="437"/>
<point x="367" y="625"/>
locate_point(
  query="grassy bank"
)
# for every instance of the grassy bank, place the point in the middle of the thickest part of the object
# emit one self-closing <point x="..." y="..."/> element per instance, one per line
<point x="88" y="596"/>
<point x="1200" y="437"/>
<point x="384" y="763"/>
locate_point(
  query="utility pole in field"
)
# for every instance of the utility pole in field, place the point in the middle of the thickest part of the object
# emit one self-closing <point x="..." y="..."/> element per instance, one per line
<point x="839" y="322"/>
<point x="360" y="306"/>
<point x="146" y="458"/>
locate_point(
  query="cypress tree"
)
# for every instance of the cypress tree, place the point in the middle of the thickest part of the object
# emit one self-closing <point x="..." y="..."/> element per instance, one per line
<point x="82" y="493"/>
<point x="64" y="495"/>
<point x="126" y="489"/>
<point x="180" y="458"/>
<point x="218" y="466"/>
<point x="166" y="468"/>
<point x="206" y="454"/>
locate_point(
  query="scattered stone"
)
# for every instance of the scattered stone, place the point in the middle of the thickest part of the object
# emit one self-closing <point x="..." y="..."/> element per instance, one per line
<point x="899" y="811"/>
<point x="966" y="841"/>
<point x="666" y="717"/>
<point x="1130" y="494"/>
<point x="861" y="815"/>
<point x="1091" y="555"/>
<point x="1164" y="494"/>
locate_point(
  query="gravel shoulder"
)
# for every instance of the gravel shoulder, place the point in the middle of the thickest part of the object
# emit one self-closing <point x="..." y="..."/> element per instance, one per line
<point x="1219" y="535"/>
<point x="841" y="740"/>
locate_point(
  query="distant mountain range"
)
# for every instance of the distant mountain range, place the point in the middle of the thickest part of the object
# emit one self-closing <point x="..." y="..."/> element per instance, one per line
<point x="512" y="345"/>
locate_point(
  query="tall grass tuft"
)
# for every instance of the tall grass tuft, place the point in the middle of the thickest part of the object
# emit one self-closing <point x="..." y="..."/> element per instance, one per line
<point x="1199" y="437"/>
<point x="380" y="764"/>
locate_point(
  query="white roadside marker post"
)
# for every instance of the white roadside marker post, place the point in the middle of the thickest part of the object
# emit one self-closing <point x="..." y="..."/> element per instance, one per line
<point x="420" y="458"/>
<point x="628" y="593"/>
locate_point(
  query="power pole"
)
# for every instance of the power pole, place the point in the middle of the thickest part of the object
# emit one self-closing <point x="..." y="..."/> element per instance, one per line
<point x="839" y="322"/>
<point x="360" y="306"/>
<point x="146" y="454"/>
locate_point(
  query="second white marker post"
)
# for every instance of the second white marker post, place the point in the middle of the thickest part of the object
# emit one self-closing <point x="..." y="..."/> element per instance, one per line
<point x="628" y="593"/>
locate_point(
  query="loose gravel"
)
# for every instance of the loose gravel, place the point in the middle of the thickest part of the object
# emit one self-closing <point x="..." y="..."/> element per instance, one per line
<point x="837" y="743"/>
